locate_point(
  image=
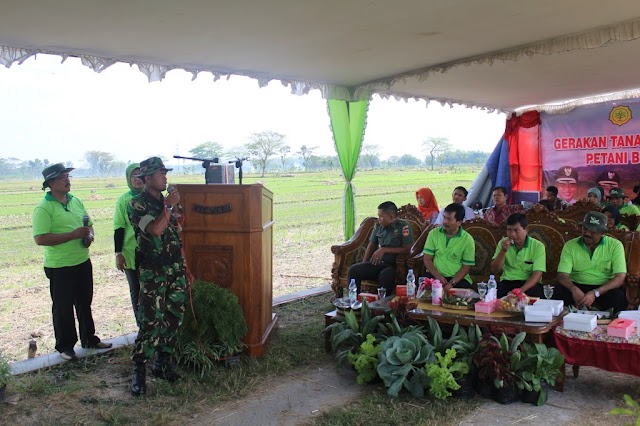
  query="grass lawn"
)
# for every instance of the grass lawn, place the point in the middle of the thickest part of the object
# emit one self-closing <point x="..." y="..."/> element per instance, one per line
<point x="307" y="210"/>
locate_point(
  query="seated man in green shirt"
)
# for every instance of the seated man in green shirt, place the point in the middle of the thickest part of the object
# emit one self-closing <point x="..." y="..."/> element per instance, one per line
<point x="450" y="251"/>
<point x="520" y="258"/>
<point x="390" y="237"/>
<point x="592" y="268"/>
<point x="616" y="199"/>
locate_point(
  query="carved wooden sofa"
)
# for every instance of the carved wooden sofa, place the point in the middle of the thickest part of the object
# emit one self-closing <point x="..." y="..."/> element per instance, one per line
<point x="352" y="251"/>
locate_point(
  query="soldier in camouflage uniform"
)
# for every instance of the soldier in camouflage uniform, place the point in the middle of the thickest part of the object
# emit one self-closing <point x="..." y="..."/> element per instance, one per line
<point x="162" y="271"/>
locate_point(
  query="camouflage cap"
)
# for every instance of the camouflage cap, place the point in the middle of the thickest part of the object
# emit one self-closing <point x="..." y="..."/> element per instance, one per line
<point x="595" y="222"/>
<point x="151" y="165"/>
<point x="567" y="174"/>
<point x="616" y="193"/>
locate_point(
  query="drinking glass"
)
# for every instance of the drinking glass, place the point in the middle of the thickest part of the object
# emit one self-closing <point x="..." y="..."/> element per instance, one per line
<point x="382" y="292"/>
<point x="548" y="291"/>
<point x="482" y="289"/>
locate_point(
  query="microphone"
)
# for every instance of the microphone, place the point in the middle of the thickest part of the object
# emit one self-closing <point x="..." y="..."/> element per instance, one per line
<point x="85" y="222"/>
<point x="170" y="189"/>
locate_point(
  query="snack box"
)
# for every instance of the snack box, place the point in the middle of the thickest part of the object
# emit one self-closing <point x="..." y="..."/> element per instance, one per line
<point x="487" y="307"/>
<point x="539" y="313"/>
<point x="369" y="296"/>
<point x="401" y="290"/>
<point x="621" y="327"/>
<point x="556" y="305"/>
<point x="580" y="322"/>
<point x="632" y="315"/>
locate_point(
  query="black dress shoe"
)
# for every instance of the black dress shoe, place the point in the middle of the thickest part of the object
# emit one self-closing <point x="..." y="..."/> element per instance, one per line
<point x="69" y="355"/>
<point x="163" y="369"/>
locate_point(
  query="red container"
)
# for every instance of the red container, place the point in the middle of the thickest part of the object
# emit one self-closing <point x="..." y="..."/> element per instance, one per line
<point x="401" y="290"/>
<point x="620" y="327"/>
<point x="369" y="296"/>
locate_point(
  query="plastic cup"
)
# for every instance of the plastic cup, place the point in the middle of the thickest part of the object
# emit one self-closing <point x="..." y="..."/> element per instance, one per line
<point x="382" y="292"/>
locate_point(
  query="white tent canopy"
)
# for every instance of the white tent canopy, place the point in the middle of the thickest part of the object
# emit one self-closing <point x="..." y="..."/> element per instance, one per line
<point x="491" y="54"/>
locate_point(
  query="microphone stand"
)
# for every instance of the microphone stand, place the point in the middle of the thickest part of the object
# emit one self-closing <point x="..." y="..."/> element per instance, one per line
<point x="238" y="162"/>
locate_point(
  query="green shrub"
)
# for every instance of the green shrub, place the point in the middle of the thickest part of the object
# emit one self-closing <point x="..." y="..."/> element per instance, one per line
<point x="220" y="326"/>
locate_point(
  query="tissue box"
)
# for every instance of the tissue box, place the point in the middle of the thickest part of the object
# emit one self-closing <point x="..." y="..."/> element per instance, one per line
<point x="487" y="307"/>
<point x="538" y="313"/>
<point x="556" y="305"/>
<point x="620" y="327"/>
<point x="369" y="296"/>
<point x="401" y="290"/>
<point x="632" y="315"/>
<point x="580" y="322"/>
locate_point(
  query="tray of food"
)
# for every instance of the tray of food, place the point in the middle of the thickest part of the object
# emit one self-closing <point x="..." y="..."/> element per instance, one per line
<point x="460" y="303"/>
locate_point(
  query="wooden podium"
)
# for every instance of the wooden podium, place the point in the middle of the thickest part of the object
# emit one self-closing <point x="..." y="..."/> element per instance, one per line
<point x="228" y="240"/>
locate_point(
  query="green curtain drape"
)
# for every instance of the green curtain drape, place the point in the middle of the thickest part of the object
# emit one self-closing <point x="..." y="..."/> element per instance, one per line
<point x="348" y="120"/>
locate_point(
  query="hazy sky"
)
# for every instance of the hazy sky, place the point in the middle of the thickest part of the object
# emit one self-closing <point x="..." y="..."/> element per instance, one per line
<point x="58" y="111"/>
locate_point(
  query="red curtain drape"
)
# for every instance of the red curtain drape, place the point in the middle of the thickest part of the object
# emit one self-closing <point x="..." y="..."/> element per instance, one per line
<point x="525" y="158"/>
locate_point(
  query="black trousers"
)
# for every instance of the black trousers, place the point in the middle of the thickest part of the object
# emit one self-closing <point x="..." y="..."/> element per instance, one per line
<point x="72" y="287"/>
<point x="505" y="286"/>
<point x="461" y="284"/>
<point x="384" y="272"/>
<point x="133" y="279"/>
<point x="616" y="298"/>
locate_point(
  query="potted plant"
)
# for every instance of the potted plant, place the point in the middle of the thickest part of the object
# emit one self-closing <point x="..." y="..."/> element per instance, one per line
<point x="445" y="373"/>
<point x="497" y="361"/>
<point x="213" y="328"/>
<point x="348" y="333"/>
<point x="5" y="376"/>
<point x="366" y="360"/>
<point x="402" y="361"/>
<point x="466" y="347"/>
<point x="541" y="366"/>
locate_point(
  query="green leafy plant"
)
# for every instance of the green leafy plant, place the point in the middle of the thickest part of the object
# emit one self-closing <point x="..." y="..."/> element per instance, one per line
<point x="219" y="329"/>
<point x="498" y="360"/>
<point x="468" y="343"/>
<point x="444" y="372"/>
<point x="540" y="364"/>
<point x="393" y="327"/>
<point x="366" y="360"/>
<point x="440" y="344"/>
<point x="348" y="333"/>
<point x="633" y="410"/>
<point x="5" y="371"/>
<point x="402" y="361"/>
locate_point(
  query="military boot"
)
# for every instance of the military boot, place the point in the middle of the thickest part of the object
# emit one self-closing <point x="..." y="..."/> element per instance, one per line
<point x="163" y="369"/>
<point x="138" y="381"/>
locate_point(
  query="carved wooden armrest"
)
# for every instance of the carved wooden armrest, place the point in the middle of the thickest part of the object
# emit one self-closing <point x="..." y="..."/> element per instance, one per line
<point x="357" y="239"/>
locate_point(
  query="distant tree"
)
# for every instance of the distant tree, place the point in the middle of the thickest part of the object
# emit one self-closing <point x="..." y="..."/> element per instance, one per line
<point x="207" y="150"/>
<point x="370" y="155"/>
<point x="263" y="146"/>
<point x="409" y="160"/>
<point x="393" y="161"/>
<point x="306" y="152"/>
<point x="283" y="151"/>
<point x="45" y="162"/>
<point x="435" y="146"/>
<point x="99" y="161"/>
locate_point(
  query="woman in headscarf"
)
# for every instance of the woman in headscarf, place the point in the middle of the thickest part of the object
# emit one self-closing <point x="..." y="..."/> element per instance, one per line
<point x="613" y="219"/>
<point x="595" y="195"/>
<point x="124" y="237"/>
<point x="427" y="204"/>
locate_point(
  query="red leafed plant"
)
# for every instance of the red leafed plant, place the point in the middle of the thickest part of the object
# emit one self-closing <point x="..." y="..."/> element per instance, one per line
<point x="498" y="360"/>
<point x="400" y="307"/>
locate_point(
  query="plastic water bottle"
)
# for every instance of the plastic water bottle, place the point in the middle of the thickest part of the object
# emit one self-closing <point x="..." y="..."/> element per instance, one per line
<point x="353" y="291"/>
<point x="411" y="285"/>
<point x="492" y="283"/>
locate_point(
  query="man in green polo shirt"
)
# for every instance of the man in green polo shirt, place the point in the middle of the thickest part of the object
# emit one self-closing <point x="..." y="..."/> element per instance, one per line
<point x="592" y="268"/>
<point x="450" y="251"/>
<point x="520" y="258"/>
<point x="616" y="199"/>
<point x="390" y="237"/>
<point x="58" y="226"/>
